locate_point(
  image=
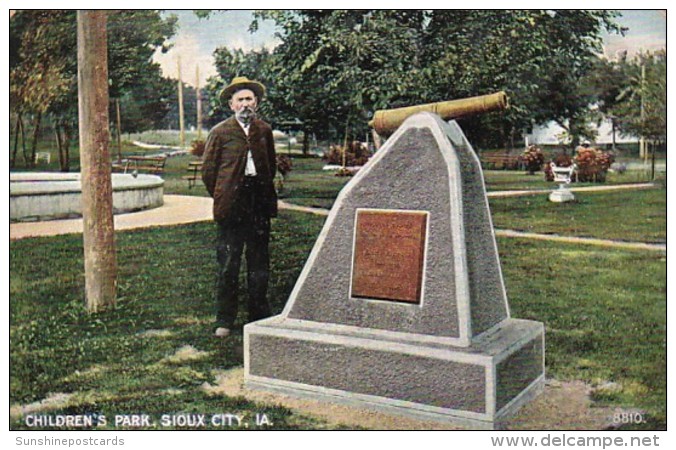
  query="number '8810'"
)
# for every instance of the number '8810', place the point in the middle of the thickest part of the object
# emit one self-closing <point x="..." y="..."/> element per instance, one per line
<point x="628" y="417"/>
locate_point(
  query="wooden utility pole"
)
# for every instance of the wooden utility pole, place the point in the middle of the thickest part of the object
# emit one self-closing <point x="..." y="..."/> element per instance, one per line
<point x="100" y="262"/>
<point x="199" y="103"/>
<point x="180" y="105"/>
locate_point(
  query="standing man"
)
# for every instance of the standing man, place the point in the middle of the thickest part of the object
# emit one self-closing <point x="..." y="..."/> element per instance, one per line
<point x="239" y="170"/>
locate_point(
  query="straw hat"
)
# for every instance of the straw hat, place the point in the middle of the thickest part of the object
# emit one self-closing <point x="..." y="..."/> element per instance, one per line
<point x="239" y="83"/>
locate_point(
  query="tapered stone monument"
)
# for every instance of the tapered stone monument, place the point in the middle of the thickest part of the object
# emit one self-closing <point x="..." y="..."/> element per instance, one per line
<point x="401" y="305"/>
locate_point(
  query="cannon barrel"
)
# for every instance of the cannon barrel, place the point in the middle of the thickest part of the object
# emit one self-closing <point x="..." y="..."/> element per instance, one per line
<point x="386" y="121"/>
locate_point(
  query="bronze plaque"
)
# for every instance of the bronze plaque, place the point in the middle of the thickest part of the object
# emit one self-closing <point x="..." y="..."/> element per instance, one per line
<point x="389" y="253"/>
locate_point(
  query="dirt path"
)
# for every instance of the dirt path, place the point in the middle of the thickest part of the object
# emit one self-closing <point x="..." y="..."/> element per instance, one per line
<point x="616" y="187"/>
<point x="561" y="406"/>
<point x="582" y="240"/>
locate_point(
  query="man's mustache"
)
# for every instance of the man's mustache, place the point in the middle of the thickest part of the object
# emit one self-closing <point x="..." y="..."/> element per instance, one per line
<point x="246" y="114"/>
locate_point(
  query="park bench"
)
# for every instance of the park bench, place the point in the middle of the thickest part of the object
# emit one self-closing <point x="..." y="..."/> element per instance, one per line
<point x="501" y="161"/>
<point x="195" y="173"/>
<point x="143" y="164"/>
<point x="43" y="156"/>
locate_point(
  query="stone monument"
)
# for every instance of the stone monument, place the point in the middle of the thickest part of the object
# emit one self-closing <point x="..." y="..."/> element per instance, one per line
<point x="401" y="305"/>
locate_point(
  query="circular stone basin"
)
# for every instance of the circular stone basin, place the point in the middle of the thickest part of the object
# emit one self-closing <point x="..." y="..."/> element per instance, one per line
<point x="48" y="196"/>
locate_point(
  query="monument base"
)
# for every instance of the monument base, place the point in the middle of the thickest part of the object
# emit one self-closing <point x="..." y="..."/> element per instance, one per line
<point x="561" y="195"/>
<point x="409" y="374"/>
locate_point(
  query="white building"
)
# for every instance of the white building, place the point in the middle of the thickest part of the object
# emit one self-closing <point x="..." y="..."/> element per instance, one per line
<point x="554" y="134"/>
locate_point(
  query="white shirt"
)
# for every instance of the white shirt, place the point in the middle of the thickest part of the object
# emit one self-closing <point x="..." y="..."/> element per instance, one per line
<point x="250" y="169"/>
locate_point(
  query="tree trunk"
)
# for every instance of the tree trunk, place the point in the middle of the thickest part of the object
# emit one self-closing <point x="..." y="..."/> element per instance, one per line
<point x="36" y="135"/>
<point x="66" y="147"/>
<point x="59" y="144"/>
<point x="306" y="141"/>
<point x="62" y="132"/>
<point x="23" y="143"/>
<point x="12" y="161"/>
<point x="97" y="193"/>
<point x="612" y="122"/>
<point x="181" y="123"/>
<point x="652" y="169"/>
<point x="119" y="131"/>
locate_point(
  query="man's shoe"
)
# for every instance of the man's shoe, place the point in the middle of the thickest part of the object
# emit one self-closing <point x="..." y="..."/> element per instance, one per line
<point x="222" y="332"/>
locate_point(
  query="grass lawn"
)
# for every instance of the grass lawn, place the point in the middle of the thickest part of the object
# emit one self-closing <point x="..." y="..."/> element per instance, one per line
<point x="165" y="137"/>
<point x="120" y="362"/>
<point x="308" y="185"/>
<point x="604" y="311"/>
<point x="605" y="316"/>
<point x="621" y="215"/>
<point x="508" y="180"/>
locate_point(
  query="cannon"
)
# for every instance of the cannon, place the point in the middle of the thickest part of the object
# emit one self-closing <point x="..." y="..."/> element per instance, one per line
<point x="386" y="121"/>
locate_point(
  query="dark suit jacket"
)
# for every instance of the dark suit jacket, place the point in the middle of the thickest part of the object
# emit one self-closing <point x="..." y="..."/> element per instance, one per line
<point x="225" y="160"/>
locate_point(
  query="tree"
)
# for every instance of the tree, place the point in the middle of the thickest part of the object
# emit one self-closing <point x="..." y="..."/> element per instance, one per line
<point x="336" y="67"/>
<point x="642" y="105"/>
<point x="147" y="104"/>
<point x="538" y="57"/>
<point x="38" y="74"/>
<point x="44" y="66"/>
<point x="171" y="117"/>
<point x="607" y="80"/>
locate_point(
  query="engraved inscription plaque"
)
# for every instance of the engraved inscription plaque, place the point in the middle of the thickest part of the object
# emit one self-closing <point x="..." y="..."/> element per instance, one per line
<point x="389" y="255"/>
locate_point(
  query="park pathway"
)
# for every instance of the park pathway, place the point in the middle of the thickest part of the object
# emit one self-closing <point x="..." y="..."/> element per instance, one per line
<point x="177" y="209"/>
<point x="183" y="209"/>
<point x="617" y="187"/>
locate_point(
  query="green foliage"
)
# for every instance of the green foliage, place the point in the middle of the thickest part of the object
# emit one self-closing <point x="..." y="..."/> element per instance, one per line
<point x="168" y="119"/>
<point x="641" y="107"/>
<point x="43" y="61"/>
<point x="334" y="68"/>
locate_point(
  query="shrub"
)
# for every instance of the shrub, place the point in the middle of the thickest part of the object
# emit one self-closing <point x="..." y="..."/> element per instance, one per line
<point x="592" y="164"/>
<point x="357" y="154"/>
<point x="561" y="160"/>
<point x="284" y="165"/>
<point x="197" y="147"/>
<point x="533" y="159"/>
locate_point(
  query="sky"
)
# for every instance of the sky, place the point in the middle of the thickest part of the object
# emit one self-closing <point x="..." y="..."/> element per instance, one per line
<point x="197" y="39"/>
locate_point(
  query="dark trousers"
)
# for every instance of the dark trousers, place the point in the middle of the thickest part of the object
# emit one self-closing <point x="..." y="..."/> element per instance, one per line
<point x="249" y="228"/>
